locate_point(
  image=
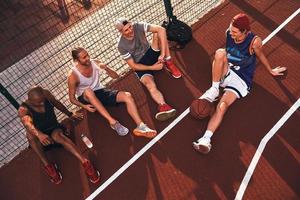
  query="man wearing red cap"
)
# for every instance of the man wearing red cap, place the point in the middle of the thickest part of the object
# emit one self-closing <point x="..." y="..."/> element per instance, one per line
<point x="233" y="69"/>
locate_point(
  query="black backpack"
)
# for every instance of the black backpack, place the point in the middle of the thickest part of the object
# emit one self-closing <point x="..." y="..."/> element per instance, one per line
<point x="178" y="31"/>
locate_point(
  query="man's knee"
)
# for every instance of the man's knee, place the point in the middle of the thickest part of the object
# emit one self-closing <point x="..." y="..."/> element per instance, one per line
<point x="222" y="107"/>
<point x="87" y="93"/>
<point x="58" y="136"/>
<point x="220" y="54"/>
<point x="149" y="82"/>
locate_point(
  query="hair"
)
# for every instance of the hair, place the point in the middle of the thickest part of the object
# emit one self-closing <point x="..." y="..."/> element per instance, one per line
<point x="76" y="52"/>
<point x="35" y="91"/>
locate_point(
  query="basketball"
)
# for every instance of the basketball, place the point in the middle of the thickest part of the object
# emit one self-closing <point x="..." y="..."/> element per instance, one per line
<point x="201" y="108"/>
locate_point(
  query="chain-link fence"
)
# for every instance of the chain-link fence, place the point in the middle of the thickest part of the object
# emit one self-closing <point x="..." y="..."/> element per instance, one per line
<point x="39" y="52"/>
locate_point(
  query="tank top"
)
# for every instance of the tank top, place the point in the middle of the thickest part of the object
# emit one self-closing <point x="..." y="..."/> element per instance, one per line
<point x="241" y="61"/>
<point x="43" y="121"/>
<point x="92" y="82"/>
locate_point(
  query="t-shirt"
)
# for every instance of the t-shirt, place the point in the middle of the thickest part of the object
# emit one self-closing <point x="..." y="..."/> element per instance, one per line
<point x="138" y="46"/>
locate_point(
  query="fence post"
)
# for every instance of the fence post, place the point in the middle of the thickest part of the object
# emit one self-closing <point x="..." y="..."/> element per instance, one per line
<point x="8" y="96"/>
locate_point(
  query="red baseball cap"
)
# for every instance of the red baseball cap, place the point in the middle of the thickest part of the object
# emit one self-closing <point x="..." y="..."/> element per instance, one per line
<point x="241" y="21"/>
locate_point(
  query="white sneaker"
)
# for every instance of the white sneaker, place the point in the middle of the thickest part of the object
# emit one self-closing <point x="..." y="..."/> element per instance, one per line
<point x="211" y="94"/>
<point x="202" y="145"/>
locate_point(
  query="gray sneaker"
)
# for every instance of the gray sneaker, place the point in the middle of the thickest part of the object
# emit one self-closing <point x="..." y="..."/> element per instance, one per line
<point x="144" y="131"/>
<point x="120" y="129"/>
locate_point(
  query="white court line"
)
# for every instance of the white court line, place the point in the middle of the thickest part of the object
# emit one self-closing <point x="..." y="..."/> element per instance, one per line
<point x="261" y="148"/>
<point x="161" y="134"/>
<point x="138" y="155"/>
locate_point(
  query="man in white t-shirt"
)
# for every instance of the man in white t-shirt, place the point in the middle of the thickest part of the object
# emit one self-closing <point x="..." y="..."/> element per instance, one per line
<point x="83" y="81"/>
<point x="145" y="59"/>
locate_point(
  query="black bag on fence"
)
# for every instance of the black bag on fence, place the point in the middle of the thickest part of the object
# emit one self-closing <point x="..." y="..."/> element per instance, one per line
<point x="178" y="31"/>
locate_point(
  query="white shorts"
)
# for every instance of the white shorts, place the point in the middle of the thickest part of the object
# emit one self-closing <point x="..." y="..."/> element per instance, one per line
<point x="232" y="82"/>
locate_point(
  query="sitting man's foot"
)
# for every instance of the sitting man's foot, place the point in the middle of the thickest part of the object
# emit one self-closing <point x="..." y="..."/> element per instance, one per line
<point x="145" y="131"/>
<point x="91" y="172"/>
<point x="53" y="173"/>
<point x="171" y="67"/>
<point x="202" y="145"/>
<point x="120" y="129"/>
<point x="211" y="94"/>
<point x="165" y="112"/>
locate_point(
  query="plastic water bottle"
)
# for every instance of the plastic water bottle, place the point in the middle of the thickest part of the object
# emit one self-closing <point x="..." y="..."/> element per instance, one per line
<point x="86" y="141"/>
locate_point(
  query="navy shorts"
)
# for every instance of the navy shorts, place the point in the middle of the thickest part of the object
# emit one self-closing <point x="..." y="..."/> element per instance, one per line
<point x="107" y="97"/>
<point x="49" y="131"/>
<point x="150" y="58"/>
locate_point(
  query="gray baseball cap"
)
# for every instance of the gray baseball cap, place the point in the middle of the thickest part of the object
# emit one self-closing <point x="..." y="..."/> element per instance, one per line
<point x="120" y="23"/>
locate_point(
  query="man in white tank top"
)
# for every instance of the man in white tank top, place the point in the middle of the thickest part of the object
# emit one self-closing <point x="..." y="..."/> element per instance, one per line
<point x="83" y="82"/>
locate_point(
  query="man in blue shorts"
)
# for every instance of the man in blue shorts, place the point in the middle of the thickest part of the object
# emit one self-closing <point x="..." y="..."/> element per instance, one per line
<point x="42" y="129"/>
<point x="233" y="69"/>
<point x="84" y="81"/>
<point x="145" y="59"/>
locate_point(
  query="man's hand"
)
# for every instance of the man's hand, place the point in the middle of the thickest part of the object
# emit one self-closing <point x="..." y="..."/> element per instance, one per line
<point x="89" y="108"/>
<point x="278" y="71"/>
<point x="44" y="139"/>
<point x="77" y="115"/>
<point x="157" y="66"/>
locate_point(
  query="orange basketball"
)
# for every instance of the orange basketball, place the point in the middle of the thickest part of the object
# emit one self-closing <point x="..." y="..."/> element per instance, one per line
<point x="201" y="108"/>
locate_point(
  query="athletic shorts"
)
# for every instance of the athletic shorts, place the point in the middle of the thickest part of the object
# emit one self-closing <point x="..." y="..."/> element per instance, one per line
<point x="107" y="97"/>
<point x="150" y="58"/>
<point x="49" y="131"/>
<point x="232" y="82"/>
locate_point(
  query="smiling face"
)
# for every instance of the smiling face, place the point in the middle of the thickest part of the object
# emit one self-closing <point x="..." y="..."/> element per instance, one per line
<point x="84" y="58"/>
<point x="236" y="34"/>
<point x="127" y="30"/>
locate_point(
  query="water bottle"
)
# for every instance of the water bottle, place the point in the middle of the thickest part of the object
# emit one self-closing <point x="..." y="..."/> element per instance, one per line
<point x="86" y="141"/>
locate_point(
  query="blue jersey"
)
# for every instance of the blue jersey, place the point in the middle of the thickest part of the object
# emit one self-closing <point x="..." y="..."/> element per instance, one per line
<point x="240" y="59"/>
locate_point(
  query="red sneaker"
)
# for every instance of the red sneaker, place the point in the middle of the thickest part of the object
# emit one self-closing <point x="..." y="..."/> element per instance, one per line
<point x="91" y="172"/>
<point x="165" y="112"/>
<point x="53" y="173"/>
<point x="171" y="67"/>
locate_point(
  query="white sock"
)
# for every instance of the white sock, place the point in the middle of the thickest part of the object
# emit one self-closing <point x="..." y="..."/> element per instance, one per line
<point x="208" y="134"/>
<point x="168" y="58"/>
<point x="216" y="84"/>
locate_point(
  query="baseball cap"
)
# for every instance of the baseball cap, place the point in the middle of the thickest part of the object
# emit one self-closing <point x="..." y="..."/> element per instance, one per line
<point x="241" y="21"/>
<point x="120" y="23"/>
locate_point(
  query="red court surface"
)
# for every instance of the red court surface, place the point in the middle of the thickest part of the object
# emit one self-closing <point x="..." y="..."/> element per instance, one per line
<point x="172" y="169"/>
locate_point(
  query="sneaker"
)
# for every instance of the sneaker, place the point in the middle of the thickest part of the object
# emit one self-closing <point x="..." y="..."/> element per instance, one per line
<point x="53" y="173"/>
<point x="165" y="112"/>
<point x="202" y="145"/>
<point x="171" y="67"/>
<point x="120" y="129"/>
<point x="211" y="94"/>
<point x="145" y="131"/>
<point x="91" y="172"/>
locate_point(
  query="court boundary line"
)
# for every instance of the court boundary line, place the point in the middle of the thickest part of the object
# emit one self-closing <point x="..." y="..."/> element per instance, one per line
<point x="165" y="131"/>
<point x="261" y="147"/>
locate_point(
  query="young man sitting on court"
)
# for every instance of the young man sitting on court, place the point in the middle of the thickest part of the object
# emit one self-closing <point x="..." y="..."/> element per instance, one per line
<point x="42" y="129"/>
<point x="233" y="69"/>
<point x="92" y="96"/>
<point x="145" y="59"/>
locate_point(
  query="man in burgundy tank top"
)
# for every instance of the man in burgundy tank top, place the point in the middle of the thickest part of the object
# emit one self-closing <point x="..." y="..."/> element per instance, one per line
<point x="42" y="129"/>
<point x="233" y="69"/>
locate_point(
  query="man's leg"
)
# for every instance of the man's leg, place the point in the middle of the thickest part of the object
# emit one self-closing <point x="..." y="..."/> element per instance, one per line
<point x="148" y="82"/>
<point x="219" y="70"/>
<point x="58" y="136"/>
<point x="141" y="129"/>
<point x="165" y="111"/>
<point x="170" y="66"/>
<point x="37" y="148"/>
<point x="89" y="95"/>
<point x="127" y="98"/>
<point x="203" y="144"/>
